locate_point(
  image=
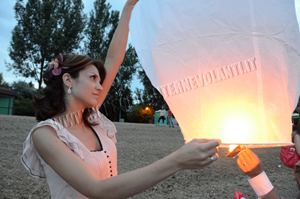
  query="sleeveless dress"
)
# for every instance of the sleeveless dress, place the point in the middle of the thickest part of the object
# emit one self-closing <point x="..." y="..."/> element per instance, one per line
<point x="103" y="162"/>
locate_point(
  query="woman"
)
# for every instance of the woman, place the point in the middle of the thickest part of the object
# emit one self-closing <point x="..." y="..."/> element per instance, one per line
<point x="296" y="141"/>
<point x="74" y="146"/>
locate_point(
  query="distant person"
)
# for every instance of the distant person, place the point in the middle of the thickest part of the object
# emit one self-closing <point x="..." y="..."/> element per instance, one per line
<point x="259" y="181"/>
<point x="170" y="118"/>
<point x="162" y="116"/>
<point x="73" y="145"/>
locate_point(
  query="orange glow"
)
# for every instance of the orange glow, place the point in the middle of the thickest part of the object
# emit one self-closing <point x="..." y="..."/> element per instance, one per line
<point x="234" y="123"/>
<point x="147" y="108"/>
<point x="239" y="125"/>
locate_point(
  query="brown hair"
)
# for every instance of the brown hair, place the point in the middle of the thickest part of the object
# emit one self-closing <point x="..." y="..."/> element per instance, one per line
<point x="53" y="100"/>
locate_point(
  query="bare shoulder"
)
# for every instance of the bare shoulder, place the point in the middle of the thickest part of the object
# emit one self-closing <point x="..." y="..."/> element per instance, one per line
<point x="47" y="143"/>
<point x="42" y="134"/>
<point x="64" y="162"/>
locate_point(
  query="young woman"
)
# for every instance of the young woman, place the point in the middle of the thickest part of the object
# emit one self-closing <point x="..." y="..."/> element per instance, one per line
<point x="73" y="145"/>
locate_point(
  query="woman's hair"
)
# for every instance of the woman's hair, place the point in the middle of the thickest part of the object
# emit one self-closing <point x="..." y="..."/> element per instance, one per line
<point x="53" y="100"/>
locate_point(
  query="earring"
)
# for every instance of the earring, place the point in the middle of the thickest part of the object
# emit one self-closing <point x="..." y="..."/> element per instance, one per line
<point x="69" y="90"/>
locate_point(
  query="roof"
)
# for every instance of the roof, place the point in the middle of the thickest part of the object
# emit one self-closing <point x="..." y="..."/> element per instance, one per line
<point x="7" y="92"/>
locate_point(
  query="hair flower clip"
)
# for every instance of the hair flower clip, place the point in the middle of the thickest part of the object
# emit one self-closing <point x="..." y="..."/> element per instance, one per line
<point x="54" y="66"/>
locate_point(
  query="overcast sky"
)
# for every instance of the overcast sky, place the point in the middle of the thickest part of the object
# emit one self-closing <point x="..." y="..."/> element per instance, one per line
<point x="8" y="22"/>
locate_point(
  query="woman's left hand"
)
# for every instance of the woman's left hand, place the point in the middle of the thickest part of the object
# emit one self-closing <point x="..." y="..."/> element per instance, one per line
<point x="249" y="163"/>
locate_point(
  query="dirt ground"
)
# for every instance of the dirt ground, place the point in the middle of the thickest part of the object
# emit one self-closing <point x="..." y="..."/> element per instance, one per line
<point x="139" y="145"/>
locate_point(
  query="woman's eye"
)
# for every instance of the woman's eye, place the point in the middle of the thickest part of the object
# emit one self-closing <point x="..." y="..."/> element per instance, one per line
<point x="93" y="77"/>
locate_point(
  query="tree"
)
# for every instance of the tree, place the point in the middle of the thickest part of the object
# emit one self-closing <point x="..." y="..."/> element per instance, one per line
<point x="149" y="95"/>
<point x="100" y="28"/>
<point x="45" y="28"/>
<point x="99" y="32"/>
<point x="122" y="81"/>
<point x="141" y="113"/>
<point x="1" y="78"/>
<point x="25" y="90"/>
<point x="24" y="107"/>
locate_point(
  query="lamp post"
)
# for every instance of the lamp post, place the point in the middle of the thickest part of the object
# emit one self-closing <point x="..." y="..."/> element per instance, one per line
<point x="120" y="95"/>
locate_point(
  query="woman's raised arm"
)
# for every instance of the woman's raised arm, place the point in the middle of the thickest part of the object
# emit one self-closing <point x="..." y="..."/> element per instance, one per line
<point x="117" y="49"/>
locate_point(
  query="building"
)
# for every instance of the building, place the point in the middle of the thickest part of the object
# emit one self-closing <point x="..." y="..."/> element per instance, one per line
<point x="7" y="100"/>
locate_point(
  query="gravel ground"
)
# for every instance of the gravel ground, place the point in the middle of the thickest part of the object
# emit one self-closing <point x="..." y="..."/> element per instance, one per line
<point x="139" y="145"/>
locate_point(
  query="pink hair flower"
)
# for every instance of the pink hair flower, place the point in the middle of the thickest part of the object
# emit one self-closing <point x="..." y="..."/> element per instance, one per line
<point x="54" y="66"/>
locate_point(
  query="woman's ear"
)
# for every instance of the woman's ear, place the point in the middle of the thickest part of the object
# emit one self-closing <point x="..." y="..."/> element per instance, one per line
<point x="67" y="79"/>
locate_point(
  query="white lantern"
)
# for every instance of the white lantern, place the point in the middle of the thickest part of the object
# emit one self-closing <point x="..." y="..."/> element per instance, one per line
<point x="227" y="69"/>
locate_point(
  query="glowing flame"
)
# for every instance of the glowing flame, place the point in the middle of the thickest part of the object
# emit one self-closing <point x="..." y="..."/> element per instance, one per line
<point x="231" y="147"/>
<point x="238" y="126"/>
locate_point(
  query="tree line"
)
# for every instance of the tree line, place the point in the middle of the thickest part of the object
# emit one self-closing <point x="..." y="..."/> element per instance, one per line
<point x="46" y="28"/>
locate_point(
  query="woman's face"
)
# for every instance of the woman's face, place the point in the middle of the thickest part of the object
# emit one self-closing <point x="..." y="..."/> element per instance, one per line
<point x="86" y="88"/>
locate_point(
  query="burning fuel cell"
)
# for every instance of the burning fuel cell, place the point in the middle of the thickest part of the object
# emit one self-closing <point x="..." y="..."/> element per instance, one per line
<point x="235" y="151"/>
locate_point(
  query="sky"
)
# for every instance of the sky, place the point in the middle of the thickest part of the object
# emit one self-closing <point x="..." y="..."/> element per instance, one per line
<point x="8" y="22"/>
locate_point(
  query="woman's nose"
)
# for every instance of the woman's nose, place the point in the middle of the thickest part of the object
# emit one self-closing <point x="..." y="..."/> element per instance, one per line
<point x="99" y="87"/>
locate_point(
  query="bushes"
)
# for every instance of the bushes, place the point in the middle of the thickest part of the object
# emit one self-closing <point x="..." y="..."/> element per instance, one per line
<point x="24" y="107"/>
<point x="140" y="113"/>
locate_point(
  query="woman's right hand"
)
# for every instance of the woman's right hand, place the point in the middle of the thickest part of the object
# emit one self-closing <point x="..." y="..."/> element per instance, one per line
<point x="197" y="154"/>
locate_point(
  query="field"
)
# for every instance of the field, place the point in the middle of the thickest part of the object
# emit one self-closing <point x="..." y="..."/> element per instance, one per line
<point x="139" y="145"/>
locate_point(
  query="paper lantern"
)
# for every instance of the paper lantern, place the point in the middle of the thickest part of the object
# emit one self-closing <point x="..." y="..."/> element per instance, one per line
<point x="227" y="69"/>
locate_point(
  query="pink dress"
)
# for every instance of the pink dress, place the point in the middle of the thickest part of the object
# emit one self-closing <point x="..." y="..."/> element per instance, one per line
<point x="103" y="162"/>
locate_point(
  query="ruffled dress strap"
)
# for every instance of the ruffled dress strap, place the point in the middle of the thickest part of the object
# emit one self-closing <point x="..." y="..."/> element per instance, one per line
<point x="30" y="157"/>
<point x="104" y="124"/>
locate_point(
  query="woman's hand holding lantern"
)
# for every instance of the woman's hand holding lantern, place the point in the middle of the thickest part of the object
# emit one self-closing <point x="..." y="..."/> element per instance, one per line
<point x="197" y="154"/>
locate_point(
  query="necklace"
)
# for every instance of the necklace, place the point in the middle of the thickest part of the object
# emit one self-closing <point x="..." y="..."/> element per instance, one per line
<point x="70" y="119"/>
<point x="74" y="118"/>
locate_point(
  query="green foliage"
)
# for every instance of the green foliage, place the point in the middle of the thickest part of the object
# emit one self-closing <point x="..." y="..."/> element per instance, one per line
<point x="111" y="105"/>
<point x="150" y="95"/>
<point x="23" y="107"/>
<point x="123" y="81"/>
<point x="1" y="78"/>
<point x="23" y="103"/>
<point x="25" y="90"/>
<point x="45" y="28"/>
<point x="48" y="27"/>
<point x="100" y="28"/>
<point x="141" y="113"/>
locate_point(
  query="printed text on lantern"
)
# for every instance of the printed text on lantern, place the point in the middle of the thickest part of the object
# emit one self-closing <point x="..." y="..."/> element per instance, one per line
<point x="208" y="78"/>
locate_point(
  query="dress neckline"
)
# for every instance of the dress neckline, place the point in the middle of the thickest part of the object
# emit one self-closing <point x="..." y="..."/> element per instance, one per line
<point x="80" y="141"/>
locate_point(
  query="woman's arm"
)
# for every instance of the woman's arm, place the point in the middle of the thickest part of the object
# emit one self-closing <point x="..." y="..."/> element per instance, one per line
<point x="194" y="155"/>
<point x="249" y="163"/>
<point x="117" y="49"/>
<point x="297" y="143"/>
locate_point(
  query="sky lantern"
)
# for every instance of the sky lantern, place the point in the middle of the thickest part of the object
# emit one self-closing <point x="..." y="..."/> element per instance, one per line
<point x="227" y="69"/>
